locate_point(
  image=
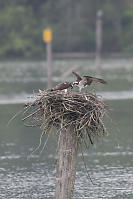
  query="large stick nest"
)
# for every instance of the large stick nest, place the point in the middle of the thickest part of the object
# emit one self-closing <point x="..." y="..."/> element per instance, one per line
<point x="84" y="111"/>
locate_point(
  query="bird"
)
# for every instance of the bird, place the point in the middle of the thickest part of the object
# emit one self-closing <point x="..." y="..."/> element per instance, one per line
<point x="62" y="86"/>
<point x="86" y="80"/>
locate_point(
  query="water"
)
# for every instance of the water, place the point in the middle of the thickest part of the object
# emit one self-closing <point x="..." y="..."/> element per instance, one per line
<point x="109" y="161"/>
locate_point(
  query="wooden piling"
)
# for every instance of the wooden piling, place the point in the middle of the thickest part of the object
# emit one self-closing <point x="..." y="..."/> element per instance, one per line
<point x="49" y="64"/>
<point x="66" y="164"/>
<point x="98" y="38"/>
<point x="47" y="38"/>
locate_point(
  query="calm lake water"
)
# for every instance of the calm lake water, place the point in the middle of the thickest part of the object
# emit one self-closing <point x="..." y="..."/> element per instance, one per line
<point x="109" y="161"/>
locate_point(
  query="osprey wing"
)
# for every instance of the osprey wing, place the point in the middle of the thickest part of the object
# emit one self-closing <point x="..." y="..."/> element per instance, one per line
<point x="62" y="86"/>
<point x="95" y="79"/>
<point x="78" y="76"/>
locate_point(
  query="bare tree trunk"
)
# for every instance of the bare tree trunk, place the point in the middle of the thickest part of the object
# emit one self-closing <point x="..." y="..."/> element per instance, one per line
<point x="66" y="165"/>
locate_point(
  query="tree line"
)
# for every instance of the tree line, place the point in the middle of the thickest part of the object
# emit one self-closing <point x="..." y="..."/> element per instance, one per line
<point x="73" y="23"/>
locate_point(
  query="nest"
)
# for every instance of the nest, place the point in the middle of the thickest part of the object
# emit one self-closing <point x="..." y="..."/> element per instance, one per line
<point x="84" y="111"/>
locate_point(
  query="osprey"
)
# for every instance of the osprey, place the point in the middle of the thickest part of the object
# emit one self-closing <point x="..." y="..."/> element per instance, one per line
<point x="62" y="86"/>
<point x="84" y="81"/>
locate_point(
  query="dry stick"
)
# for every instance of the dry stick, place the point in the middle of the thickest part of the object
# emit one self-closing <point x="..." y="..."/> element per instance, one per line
<point x="65" y="126"/>
<point x="14" y="117"/>
<point x="37" y="148"/>
<point x="88" y="175"/>
<point x="31" y="125"/>
<point x="30" y="115"/>
<point x="35" y="124"/>
<point x="83" y="125"/>
<point x="46" y="141"/>
<point x="86" y="144"/>
<point x="89" y="137"/>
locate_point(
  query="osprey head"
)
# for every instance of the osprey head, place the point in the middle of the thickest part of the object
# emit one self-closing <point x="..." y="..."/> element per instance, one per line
<point x="75" y="83"/>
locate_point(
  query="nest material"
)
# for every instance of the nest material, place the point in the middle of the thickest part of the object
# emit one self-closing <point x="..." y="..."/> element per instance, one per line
<point x="84" y="111"/>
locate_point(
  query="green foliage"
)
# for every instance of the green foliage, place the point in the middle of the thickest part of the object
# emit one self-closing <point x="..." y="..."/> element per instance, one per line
<point x="72" y="22"/>
<point x="127" y="33"/>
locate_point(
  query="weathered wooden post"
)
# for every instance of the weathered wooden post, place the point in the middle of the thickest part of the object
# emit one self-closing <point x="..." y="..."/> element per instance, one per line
<point x="98" y="37"/>
<point x="66" y="165"/>
<point x="47" y="37"/>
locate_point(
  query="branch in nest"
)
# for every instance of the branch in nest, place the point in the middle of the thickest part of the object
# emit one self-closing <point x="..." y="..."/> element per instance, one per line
<point x="84" y="111"/>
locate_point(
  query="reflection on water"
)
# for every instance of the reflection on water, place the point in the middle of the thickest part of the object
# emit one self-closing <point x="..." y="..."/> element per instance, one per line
<point x="109" y="162"/>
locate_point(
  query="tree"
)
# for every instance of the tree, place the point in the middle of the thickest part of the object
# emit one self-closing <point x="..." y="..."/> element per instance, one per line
<point x="73" y="23"/>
